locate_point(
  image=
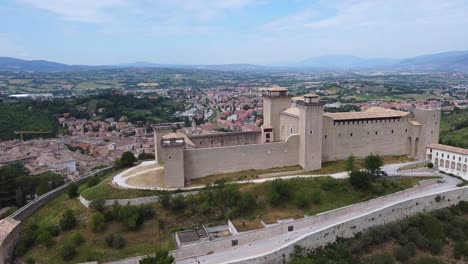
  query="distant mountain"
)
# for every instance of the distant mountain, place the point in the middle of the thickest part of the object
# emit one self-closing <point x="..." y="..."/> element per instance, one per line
<point x="340" y="61"/>
<point x="446" y="61"/>
<point x="13" y="64"/>
<point x="218" y="67"/>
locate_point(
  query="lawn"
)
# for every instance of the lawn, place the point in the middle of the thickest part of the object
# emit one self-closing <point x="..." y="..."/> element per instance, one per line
<point x="331" y="167"/>
<point x="242" y="175"/>
<point x="105" y="190"/>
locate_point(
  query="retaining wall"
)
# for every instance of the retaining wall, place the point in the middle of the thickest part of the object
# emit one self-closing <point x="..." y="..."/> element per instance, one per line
<point x="348" y="228"/>
<point x="256" y="235"/>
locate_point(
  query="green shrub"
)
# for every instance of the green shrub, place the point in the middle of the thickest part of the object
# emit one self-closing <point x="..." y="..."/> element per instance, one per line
<point x="93" y="181"/>
<point x="165" y="199"/>
<point x="97" y="205"/>
<point x="161" y="257"/>
<point x="430" y="165"/>
<point x="72" y="190"/>
<point x="379" y="259"/>
<point x="130" y="217"/>
<point x="431" y="227"/>
<point x="279" y="191"/>
<point x="68" y="220"/>
<point x="147" y="211"/>
<point x="360" y="179"/>
<point x="405" y="252"/>
<point x="115" y="241"/>
<point x="67" y="251"/>
<point x="177" y="203"/>
<point x="328" y="183"/>
<point x="76" y="239"/>
<point x="428" y="260"/>
<point x="460" y="249"/>
<point x="97" y="222"/>
<point x="301" y="199"/>
<point x="463" y="205"/>
<point x="316" y="197"/>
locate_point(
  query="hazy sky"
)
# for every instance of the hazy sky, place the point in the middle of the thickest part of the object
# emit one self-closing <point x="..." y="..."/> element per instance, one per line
<point x="227" y="31"/>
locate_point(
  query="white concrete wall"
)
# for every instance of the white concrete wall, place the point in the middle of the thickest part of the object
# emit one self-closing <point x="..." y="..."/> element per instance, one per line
<point x="449" y="162"/>
<point x="260" y="234"/>
<point x="204" y="162"/>
<point x="347" y="229"/>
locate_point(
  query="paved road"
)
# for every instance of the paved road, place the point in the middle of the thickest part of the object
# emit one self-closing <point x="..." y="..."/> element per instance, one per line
<point x="271" y="244"/>
<point x="120" y="180"/>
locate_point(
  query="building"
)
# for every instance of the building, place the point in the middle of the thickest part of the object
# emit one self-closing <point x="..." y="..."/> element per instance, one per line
<point x="295" y="134"/>
<point x="449" y="159"/>
<point x="9" y="233"/>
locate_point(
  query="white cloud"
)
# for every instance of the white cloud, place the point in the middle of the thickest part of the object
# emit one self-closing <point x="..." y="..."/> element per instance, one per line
<point x="90" y="11"/>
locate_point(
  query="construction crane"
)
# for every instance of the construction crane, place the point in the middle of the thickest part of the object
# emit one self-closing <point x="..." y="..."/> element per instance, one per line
<point x="30" y="132"/>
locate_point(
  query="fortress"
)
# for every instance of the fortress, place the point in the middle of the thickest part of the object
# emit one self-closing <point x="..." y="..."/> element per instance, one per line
<point x="294" y="134"/>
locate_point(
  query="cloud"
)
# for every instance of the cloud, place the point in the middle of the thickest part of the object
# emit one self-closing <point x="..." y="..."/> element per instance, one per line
<point x="89" y="11"/>
<point x="345" y="15"/>
<point x="9" y="47"/>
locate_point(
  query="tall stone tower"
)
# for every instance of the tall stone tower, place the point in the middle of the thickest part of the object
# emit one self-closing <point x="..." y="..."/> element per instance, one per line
<point x="173" y="146"/>
<point x="428" y="132"/>
<point x="159" y="131"/>
<point x="310" y="132"/>
<point x="275" y="101"/>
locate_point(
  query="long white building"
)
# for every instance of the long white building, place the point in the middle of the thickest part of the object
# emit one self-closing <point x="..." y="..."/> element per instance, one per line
<point x="449" y="159"/>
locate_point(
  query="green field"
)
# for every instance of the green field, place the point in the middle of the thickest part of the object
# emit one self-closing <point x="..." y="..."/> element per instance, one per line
<point x="454" y="128"/>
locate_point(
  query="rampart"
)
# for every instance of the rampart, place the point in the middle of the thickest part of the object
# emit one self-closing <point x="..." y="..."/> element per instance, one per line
<point x="226" y="139"/>
<point x="203" y="162"/>
<point x="385" y="215"/>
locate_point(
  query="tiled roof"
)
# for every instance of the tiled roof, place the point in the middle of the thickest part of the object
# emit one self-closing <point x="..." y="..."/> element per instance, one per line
<point x="449" y="148"/>
<point x="373" y="112"/>
<point x="292" y="111"/>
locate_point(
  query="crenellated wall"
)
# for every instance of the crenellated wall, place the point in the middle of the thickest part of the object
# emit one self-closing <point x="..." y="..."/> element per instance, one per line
<point x="226" y="139"/>
<point x="207" y="161"/>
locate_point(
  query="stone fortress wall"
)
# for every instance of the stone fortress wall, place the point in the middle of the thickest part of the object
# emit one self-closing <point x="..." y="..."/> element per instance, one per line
<point x="322" y="137"/>
<point x="206" y="161"/>
<point x="226" y="139"/>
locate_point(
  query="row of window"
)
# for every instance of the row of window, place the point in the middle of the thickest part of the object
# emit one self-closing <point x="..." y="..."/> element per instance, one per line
<point x="366" y="121"/>
<point x="448" y="156"/>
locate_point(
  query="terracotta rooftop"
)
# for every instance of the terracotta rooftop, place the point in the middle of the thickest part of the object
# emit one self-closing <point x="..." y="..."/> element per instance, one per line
<point x="449" y="148"/>
<point x="292" y="111"/>
<point x="373" y="112"/>
<point x="311" y="95"/>
<point x="277" y="89"/>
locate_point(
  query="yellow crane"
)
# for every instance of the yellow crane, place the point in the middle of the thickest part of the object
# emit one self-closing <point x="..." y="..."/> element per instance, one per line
<point x="30" y="132"/>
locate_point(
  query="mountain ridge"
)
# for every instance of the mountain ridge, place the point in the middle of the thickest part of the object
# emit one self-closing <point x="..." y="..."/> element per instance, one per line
<point x="443" y="61"/>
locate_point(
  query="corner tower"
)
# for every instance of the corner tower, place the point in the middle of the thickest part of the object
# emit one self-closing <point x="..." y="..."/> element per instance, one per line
<point x="173" y="146"/>
<point x="310" y="132"/>
<point x="275" y="101"/>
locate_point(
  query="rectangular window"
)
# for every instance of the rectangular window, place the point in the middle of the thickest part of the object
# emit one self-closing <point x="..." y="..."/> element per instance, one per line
<point x="290" y="228"/>
<point x="234" y="242"/>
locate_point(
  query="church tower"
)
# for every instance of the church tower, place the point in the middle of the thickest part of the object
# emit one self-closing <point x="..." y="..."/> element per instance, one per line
<point x="275" y="101"/>
<point x="310" y="132"/>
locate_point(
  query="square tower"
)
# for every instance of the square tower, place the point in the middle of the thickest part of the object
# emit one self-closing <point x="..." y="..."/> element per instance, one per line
<point x="275" y="101"/>
<point x="310" y="132"/>
<point x="173" y="146"/>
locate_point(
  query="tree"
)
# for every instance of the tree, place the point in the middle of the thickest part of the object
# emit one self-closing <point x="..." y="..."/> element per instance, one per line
<point x="130" y="216"/>
<point x="115" y="241"/>
<point x="19" y="197"/>
<point x="67" y="251"/>
<point x="161" y="257"/>
<point x="278" y="191"/>
<point x="126" y="160"/>
<point x="97" y="222"/>
<point x="360" y="179"/>
<point x="68" y="220"/>
<point x="350" y="163"/>
<point x="372" y="163"/>
<point x="72" y="190"/>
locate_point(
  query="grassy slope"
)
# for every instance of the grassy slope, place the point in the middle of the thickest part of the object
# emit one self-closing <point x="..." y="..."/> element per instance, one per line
<point x="150" y="236"/>
<point x="454" y="128"/>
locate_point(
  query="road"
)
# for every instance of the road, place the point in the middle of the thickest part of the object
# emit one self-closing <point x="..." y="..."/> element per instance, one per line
<point x="271" y="244"/>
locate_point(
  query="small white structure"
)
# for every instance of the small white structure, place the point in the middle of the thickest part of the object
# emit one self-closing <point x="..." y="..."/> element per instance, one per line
<point x="449" y="159"/>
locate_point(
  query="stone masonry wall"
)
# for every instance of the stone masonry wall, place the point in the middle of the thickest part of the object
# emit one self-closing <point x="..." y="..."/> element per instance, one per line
<point x="203" y="162"/>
